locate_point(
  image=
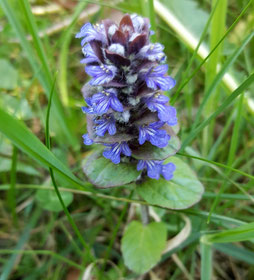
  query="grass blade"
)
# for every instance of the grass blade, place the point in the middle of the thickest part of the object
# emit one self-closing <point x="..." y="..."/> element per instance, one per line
<point x="11" y="195"/>
<point x="221" y="108"/>
<point x="217" y="30"/>
<point x="44" y="75"/>
<point x="206" y="261"/>
<point x="69" y="218"/>
<point x="190" y="40"/>
<point x="220" y="75"/>
<point x="41" y="252"/>
<point x="23" y="138"/>
<point x="63" y="56"/>
<point x="242" y="233"/>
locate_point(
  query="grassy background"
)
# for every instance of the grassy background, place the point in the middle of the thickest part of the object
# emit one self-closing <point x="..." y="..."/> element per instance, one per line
<point x="39" y="58"/>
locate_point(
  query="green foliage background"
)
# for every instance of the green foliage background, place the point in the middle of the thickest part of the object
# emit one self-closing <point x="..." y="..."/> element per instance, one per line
<point x="39" y="60"/>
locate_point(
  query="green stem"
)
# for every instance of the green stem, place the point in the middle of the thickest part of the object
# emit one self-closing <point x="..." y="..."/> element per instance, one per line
<point x="71" y="221"/>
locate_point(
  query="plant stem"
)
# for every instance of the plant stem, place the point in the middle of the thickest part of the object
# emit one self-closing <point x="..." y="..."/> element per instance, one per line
<point x="144" y="214"/>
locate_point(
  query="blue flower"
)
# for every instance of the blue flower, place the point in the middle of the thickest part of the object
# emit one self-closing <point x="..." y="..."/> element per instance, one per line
<point x="103" y="101"/>
<point x="90" y="109"/>
<point x="155" y="78"/>
<point x="165" y="113"/>
<point x="89" y="54"/>
<point x="153" y="52"/>
<point x="87" y="141"/>
<point x="90" y="33"/>
<point x="152" y="132"/>
<point x="105" y="124"/>
<point x="114" y="151"/>
<point x="101" y="74"/>
<point x="155" y="168"/>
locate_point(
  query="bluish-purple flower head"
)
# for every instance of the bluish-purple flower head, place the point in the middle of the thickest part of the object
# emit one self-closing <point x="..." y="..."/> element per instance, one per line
<point x="126" y="107"/>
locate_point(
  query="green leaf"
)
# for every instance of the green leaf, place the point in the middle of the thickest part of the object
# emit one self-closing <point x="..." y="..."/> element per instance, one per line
<point x="102" y="173"/>
<point x="183" y="191"/>
<point x="142" y="245"/>
<point x="148" y="151"/>
<point x="8" y="75"/>
<point x="48" y="200"/>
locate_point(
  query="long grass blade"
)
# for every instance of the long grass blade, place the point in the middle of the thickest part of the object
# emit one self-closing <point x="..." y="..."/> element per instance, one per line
<point x="217" y="30"/>
<point x="11" y="195"/>
<point x="24" y="139"/>
<point x="221" y="108"/>
<point x="192" y="42"/>
<point x="220" y="75"/>
<point x="41" y="252"/>
<point x="242" y="233"/>
<point x="206" y="261"/>
<point x="44" y="75"/>
<point x="69" y="218"/>
<point x="63" y="56"/>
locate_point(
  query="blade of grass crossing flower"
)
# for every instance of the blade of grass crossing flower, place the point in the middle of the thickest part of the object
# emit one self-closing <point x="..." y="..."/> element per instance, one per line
<point x="63" y="56"/>
<point x="202" y="37"/>
<point x="69" y="218"/>
<point x="11" y="195"/>
<point x="232" y="152"/>
<point x="24" y="139"/>
<point x="219" y="76"/>
<point x="43" y="75"/>
<point x="206" y="261"/>
<point x="220" y="109"/>
<point x="217" y="31"/>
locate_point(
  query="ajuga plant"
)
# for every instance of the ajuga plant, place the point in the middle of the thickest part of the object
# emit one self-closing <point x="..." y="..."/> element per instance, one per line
<point x="127" y="111"/>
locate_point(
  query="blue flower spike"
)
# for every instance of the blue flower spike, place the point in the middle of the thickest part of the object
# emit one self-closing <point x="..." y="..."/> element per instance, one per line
<point x="126" y="108"/>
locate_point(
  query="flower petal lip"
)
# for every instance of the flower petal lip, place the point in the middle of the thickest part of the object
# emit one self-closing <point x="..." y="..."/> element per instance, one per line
<point x="156" y="168"/>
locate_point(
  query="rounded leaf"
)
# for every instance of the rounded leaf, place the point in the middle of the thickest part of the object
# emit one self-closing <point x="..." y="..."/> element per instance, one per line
<point x="48" y="200"/>
<point x="183" y="191"/>
<point x="103" y="173"/>
<point x="142" y="245"/>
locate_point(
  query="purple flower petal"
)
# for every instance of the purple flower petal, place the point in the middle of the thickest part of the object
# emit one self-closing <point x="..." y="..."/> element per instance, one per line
<point x="89" y="54"/>
<point x="105" y="124"/>
<point x="155" y="168"/>
<point x="113" y="152"/>
<point x="89" y="33"/>
<point x="101" y="74"/>
<point x="152" y="132"/>
<point x="87" y="141"/>
<point x="152" y="52"/>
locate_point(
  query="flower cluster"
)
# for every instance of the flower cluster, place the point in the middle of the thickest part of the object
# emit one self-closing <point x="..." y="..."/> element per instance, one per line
<point x="125" y="105"/>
